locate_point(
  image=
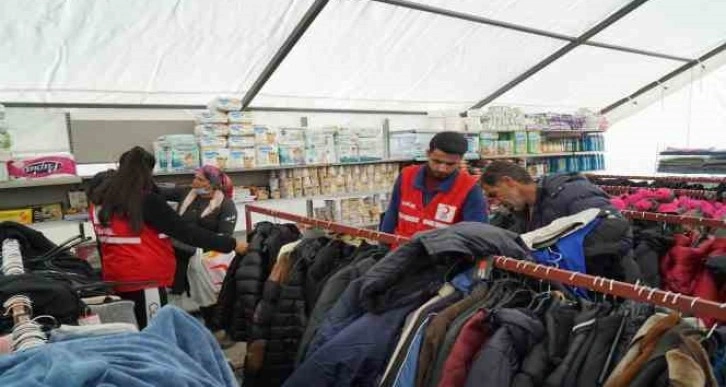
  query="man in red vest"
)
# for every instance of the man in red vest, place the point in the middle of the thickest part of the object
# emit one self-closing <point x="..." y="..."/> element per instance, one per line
<point x="437" y="194"/>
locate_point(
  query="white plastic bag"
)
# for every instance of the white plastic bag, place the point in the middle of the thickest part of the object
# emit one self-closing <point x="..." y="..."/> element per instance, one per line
<point x="206" y="273"/>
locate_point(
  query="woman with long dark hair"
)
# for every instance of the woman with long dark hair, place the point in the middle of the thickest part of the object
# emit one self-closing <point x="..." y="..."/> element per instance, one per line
<point x="133" y="225"/>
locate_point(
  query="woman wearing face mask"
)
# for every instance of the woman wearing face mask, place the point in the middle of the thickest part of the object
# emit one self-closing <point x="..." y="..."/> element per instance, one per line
<point x="133" y="226"/>
<point x="209" y="205"/>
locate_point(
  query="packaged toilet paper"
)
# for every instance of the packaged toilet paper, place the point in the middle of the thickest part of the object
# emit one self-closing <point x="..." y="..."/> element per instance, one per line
<point x="40" y="167"/>
<point x="225" y="104"/>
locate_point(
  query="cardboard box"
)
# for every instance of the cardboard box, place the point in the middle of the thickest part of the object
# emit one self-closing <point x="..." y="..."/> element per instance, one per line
<point x="22" y="216"/>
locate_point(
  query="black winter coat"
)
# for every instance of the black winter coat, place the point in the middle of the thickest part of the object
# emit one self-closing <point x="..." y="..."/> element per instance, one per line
<point x="280" y="320"/>
<point x="583" y="334"/>
<point x="564" y="195"/>
<point x="652" y="244"/>
<point x="515" y="333"/>
<point x="548" y="353"/>
<point x="242" y="286"/>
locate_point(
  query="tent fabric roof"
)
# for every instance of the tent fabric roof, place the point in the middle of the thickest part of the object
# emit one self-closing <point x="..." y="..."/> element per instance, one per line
<point x="357" y="54"/>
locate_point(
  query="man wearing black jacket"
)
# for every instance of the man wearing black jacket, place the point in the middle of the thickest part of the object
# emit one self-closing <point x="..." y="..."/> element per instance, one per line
<point x="535" y="204"/>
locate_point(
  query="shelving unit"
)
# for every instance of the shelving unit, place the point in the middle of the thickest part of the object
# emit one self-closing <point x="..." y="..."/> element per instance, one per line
<point x="45" y="182"/>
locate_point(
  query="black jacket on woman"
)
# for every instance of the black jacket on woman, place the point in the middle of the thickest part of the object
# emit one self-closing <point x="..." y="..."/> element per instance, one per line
<point x="222" y="220"/>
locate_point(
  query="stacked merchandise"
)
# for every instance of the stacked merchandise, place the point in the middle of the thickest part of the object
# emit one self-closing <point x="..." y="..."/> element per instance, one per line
<point x="176" y="153"/>
<point x="292" y="146"/>
<point x="360" y="144"/>
<point x="694" y="161"/>
<point x="320" y="146"/>
<point x="332" y="180"/>
<point x="566" y="164"/>
<point x="582" y="120"/>
<point x="241" y="141"/>
<point x="362" y="211"/>
<point x="413" y="144"/>
<point x="267" y="146"/>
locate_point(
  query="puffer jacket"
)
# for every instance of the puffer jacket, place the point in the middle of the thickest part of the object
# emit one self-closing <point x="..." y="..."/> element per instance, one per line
<point x="280" y="317"/>
<point x="242" y="286"/>
<point x="515" y="333"/>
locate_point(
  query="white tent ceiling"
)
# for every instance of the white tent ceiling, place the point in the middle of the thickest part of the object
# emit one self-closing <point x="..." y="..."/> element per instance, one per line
<point x="358" y="54"/>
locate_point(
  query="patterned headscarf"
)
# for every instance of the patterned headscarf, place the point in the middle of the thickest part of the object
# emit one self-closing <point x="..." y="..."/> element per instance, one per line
<point x="218" y="179"/>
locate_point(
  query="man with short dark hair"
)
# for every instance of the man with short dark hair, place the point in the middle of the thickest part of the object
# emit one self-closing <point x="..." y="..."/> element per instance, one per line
<point x="437" y="194"/>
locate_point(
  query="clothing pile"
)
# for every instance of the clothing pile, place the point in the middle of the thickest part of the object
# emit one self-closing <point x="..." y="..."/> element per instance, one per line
<point x="173" y="350"/>
<point x="54" y="279"/>
<point x="663" y="200"/>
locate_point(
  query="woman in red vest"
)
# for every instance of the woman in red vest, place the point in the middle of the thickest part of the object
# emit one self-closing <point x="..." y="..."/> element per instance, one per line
<point x="133" y="225"/>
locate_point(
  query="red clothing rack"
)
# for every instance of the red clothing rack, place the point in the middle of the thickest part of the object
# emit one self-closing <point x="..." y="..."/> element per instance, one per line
<point x="693" y="193"/>
<point x="685" y="179"/>
<point x="675" y="301"/>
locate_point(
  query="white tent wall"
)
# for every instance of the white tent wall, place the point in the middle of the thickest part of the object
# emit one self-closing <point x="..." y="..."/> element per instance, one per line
<point x="692" y="116"/>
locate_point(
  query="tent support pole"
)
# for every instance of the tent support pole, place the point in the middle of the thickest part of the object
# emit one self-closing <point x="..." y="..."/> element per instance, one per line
<point x="520" y="28"/>
<point x="619" y="14"/>
<point x="285" y="49"/>
<point x="665" y="78"/>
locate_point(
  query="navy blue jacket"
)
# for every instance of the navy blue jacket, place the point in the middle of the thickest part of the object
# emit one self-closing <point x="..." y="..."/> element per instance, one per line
<point x="474" y="209"/>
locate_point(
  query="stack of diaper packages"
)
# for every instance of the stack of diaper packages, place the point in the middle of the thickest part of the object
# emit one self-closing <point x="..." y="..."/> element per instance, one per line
<point x="176" y="153"/>
<point x="320" y="145"/>
<point x="360" y="144"/>
<point x="292" y="146"/>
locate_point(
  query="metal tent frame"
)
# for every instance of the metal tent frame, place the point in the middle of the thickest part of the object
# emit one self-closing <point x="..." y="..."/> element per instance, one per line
<point x="319" y="5"/>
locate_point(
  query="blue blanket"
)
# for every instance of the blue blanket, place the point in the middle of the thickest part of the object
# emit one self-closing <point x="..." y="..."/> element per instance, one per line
<point x="174" y="350"/>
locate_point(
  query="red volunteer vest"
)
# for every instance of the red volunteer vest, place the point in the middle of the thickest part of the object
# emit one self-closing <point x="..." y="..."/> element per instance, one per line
<point x="443" y="210"/>
<point x="128" y="256"/>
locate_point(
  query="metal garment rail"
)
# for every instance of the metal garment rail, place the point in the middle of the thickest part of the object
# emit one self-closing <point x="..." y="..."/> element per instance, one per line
<point x="693" y="193"/>
<point x="673" y="219"/>
<point x="675" y="301"/>
<point x="683" y="179"/>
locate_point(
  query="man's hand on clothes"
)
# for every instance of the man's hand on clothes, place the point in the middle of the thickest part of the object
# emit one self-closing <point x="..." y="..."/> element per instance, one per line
<point x="241" y="247"/>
